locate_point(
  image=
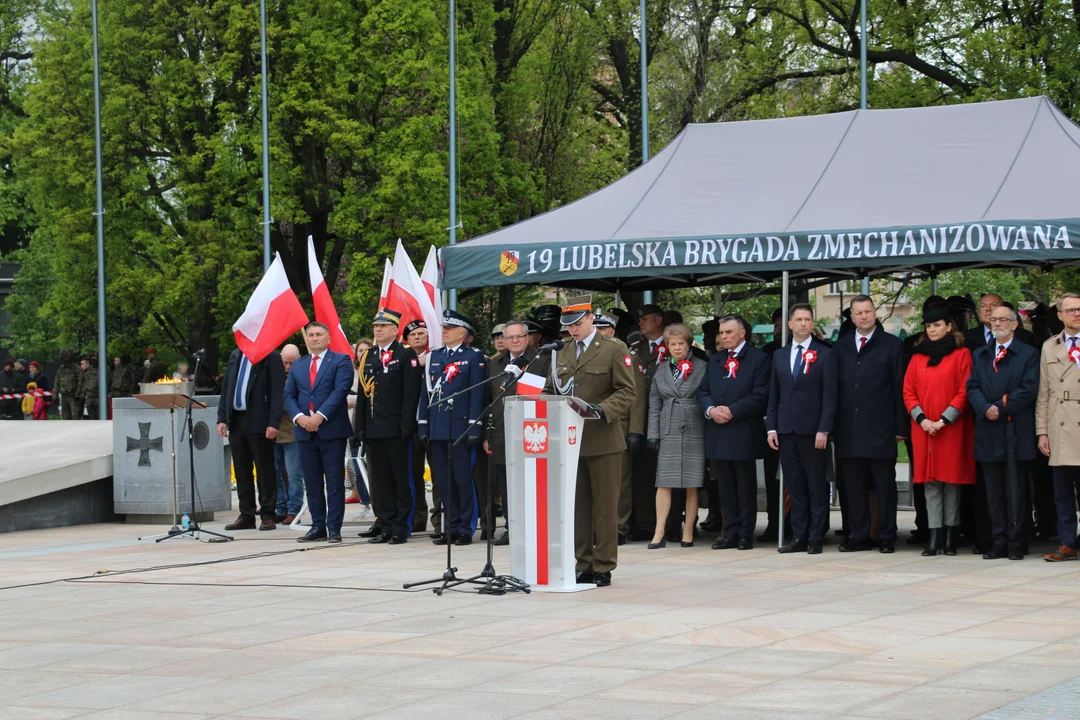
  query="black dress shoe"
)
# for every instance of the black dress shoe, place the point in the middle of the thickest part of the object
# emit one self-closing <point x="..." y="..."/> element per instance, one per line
<point x="312" y="535"/>
<point x="398" y="540"/>
<point x="371" y="532"/>
<point x="1016" y="556"/>
<point x="792" y="547"/>
<point x="659" y="545"/>
<point x="463" y="540"/>
<point x="842" y="531"/>
<point x="887" y="547"/>
<point x="442" y="538"/>
<point x="504" y="540"/>
<point x="333" y="536"/>
<point x="379" y="540"/>
<point x="602" y="579"/>
<point x="745" y="545"/>
<point x="851" y="545"/>
<point x="996" y="553"/>
<point x="622" y="540"/>
<point x="723" y="543"/>
<point x="583" y="577"/>
<point x="813" y="548"/>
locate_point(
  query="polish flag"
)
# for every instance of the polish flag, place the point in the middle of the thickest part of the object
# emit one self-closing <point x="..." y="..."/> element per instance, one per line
<point x="325" y="312"/>
<point x="409" y="297"/>
<point x="430" y="278"/>
<point x="387" y="280"/>
<point x="530" y="384"/>
<point x="272" y="315"/>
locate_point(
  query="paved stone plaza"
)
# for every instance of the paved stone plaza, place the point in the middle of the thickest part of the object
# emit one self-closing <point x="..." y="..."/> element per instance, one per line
<point x="681" y="633"/>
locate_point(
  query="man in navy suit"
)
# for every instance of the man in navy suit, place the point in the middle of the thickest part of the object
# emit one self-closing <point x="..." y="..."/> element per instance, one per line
<point x="802" y="407"/>
<point x="870" y="421"/>
<point x="1001" y="390"/>
<point x="315" y="397"/>
<point x="734" y="397"/>
<point x="451" y="369"/>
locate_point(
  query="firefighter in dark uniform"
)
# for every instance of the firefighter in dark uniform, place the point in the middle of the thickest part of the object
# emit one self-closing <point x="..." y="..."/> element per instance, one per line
<point x="415" y="335"/>
<point x="385" y="420"/>
<point x="451" y="369"/>
<point x="598" y="370"/>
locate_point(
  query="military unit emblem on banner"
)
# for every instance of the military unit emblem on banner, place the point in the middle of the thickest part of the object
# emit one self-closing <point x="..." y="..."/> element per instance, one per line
<point x="508" y="263"/>
<point x="535" y="437"/>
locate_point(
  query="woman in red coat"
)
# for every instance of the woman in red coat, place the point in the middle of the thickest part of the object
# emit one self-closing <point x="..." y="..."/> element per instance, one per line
<point x="942" y="434"/>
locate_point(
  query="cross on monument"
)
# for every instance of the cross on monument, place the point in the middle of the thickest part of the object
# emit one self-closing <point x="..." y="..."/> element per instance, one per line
<point x="144" y="444"/>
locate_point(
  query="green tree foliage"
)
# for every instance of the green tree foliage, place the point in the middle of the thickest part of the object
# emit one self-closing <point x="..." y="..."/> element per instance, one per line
<point x="549" y="104"/>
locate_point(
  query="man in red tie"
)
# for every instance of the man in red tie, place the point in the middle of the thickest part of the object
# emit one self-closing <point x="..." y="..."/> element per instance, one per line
<point x="315" y="397"/>
<point x="870" y="421"/>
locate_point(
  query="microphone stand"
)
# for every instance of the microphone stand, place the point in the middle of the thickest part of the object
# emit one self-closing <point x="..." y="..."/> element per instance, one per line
<point x="194" y="528"/>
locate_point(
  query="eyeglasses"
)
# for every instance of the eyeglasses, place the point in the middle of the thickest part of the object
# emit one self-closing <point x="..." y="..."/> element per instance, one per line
<point x="514" y="337"/>
<point x="1001" y="321"/>
<point x="1070" y="311"/>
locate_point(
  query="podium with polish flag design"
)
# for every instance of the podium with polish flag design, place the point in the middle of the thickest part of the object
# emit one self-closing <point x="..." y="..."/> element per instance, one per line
<point x="543" y="442"/>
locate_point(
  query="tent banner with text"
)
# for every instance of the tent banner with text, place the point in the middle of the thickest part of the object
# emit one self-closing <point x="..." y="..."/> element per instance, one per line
<point x="1022" y="241"/>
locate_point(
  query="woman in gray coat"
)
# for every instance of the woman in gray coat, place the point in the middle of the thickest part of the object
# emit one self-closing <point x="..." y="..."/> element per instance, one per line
<point x="677" y="429"/>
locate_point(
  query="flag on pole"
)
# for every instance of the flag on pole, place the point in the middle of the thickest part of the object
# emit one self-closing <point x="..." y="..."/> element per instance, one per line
<point x="530" y="384"/>
<point x="409" y="297"/>
<point x="387" y="281"/>
<point x="273" y="313"/>
<point x="325" y="312"/>
<point x="430" y="278"/>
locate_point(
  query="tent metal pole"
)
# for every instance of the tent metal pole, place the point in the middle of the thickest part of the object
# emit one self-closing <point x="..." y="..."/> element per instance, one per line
<point x="452" y="294"/>
<point x="933" y="285"/>
<point x="862" y="56"/>
<point x="783" y="341"/>
<point x="103" y="355"/>
<point x="265" y="139"/>
<point x="646" y="296"/>
<point x="865" y="289"/>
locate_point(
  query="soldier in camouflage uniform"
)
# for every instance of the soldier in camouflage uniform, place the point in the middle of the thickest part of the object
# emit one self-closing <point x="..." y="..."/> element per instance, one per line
<point x="87" y="390"/>
<point x="123" y="381"/>
<point x="66" y="386"/>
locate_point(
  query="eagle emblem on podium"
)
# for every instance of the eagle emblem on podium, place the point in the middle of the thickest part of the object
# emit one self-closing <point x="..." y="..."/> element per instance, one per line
<point x="535" y="437"/>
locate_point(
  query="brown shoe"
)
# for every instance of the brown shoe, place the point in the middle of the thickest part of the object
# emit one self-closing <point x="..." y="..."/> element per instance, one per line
<point x="244" y="522"/>
<point x="288" y="519"/>
<point x="279" y="518"/>
<point x="1062" y="554"/>
<point x="267" y="524"/>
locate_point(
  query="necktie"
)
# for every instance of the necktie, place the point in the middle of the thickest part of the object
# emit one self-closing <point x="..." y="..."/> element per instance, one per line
<point x="798" y="363"/>
<point x="580" y="348"/>
<point x="311" y="378"/>
<point x="241" y="380"/>
<point x="862" y="343"/>
<point x="1072" y="342"/>
<point x="989" y="336"/>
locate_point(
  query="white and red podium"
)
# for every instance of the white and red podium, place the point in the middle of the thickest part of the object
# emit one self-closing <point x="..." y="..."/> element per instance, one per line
<point x="543" y="434"/>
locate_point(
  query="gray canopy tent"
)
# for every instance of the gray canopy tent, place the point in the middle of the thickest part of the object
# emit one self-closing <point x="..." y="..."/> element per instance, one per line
<point x="854" y="194"/>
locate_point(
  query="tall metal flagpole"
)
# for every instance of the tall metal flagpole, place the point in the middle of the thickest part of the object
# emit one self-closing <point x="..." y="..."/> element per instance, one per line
<point x="452" y="295"/>
<point x="784" y="302"/>
<point x="103" y="396"/>
<point x="862" y="93"/>
<point x="647" y="296"/>
<point x="265" y="140"/>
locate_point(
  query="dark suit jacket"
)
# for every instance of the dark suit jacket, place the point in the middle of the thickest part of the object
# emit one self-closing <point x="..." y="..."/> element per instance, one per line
<point x="870" y="410"/>
<point x="391" y="412"/>
<point x="329" y="394"/>
<point x="805" y="406"/>
<point x="265" y="393"/>
<point x="746" y="395"/>
<point x="1018" y="377"/>
<point x="975" y="338"/>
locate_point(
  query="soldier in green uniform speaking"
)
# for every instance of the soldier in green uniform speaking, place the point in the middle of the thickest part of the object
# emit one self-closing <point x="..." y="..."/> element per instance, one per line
<point x="598" y="370"/>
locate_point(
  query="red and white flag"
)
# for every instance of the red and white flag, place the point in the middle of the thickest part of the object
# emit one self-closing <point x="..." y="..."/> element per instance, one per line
<point x="325" y="312"/>
<point x="430" y="278"/>
<point x="530" y="384"/>
<point x="409" y="297"/>
<point x="387" y="281"/>
<point x="273" y="313"/>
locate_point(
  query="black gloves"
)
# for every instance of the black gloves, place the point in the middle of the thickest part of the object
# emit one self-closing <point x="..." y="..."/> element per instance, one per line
<point x="633" y="442"/>
<point x="654" y="443"/>
<point x="358" y="438"/>
<point x="599" y="411"/>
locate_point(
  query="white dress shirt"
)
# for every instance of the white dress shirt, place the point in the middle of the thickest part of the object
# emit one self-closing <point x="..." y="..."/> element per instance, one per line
<point x="317" y="357"/>
<point x="805" y="345"/>
<point x="858" y="338"/>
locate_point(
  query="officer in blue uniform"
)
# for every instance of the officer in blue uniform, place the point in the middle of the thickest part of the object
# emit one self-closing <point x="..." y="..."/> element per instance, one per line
<point x="451" y="369"/>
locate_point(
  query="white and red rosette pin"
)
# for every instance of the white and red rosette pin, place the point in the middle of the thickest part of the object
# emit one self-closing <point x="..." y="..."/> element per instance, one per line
<point x="732" y="366"/>
<point x="661" y="353"/>
<point x="1074" y="355"/>
<point x="684" y="367"/>
<point x="386" y="357"/>
<point x="450" y="372"/>
<point x="808" y="359"/>
<point x="998" y="357"/>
